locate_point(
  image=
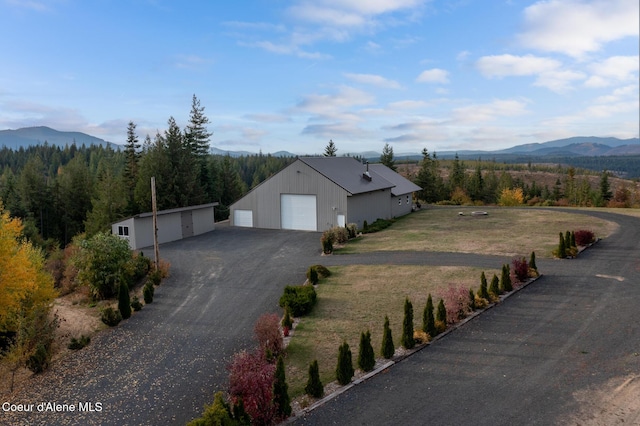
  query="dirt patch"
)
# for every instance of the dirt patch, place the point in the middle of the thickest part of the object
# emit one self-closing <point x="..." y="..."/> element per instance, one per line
<point x="615" y="403"/>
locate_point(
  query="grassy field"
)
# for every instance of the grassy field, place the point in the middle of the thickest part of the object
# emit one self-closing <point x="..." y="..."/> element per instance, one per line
<point x="504" y="231"/>
<point x="356" y="298"/>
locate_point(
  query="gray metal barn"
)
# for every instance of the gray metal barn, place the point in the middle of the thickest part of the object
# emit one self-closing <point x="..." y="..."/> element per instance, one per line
<point x="318" y="193"/>
<point x="173" y="224"/>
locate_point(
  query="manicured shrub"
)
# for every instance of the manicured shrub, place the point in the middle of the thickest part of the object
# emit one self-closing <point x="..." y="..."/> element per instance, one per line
<point x="407" y="326"/>
<point x="573" y="239"/>
<point x="428" y="320"/>
<point x="314" y="386"/>
<point x="584" y="237"/>
<point x="251" y="379"/>
<point x="441" y="312"/>
<point x="520" y="269"/>
<point x="365" y="227"/>
<point x="567" y="239"/>
<point x="322" y="271"/>
<point x="155" y="277"/>
<point x="472" y="300"/>
<point x="340" y="234"/>
<point x="378" y="225"/>
<point x="483" y="292"/>
<point x="388" y="348"/>
<point x="299" y="299"/>
<point x="147" y="292"/>
<point x="110" y="316"/>
<point x="141" y="266"/>
<point x="136" y="304"/>
<point x="281" y="397"/>
<point x="344" y="369"/>
<point x="494" y="288"/>
<point x="352" y="229"/>
<point x="218" y="413"/>
<point x="326" y="240"/>
<point x="267" y="333"/>
<point x="287" y="321"/>
<point x="505" y="278"/>
<point x="366" y="356"/>
<point x="312" y="274"/>
<point x="532" y="261"/>
<point x="124" y="302"/>
<point x="79" y="343"/>
<point x="562" y="248"/>
<point x="456" y="300"/>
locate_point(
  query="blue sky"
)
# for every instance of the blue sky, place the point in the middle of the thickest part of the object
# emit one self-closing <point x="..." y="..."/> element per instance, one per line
<point x="290" y="75"/>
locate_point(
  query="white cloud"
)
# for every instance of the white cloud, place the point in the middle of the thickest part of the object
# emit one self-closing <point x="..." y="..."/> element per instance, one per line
<point x="489" y="112"/>
<point x="268" y="118"/>
<point x="558" y="81"/>
<point x="613" y="70"/>
<point x="334" y="105"/>
<point x="577" y="27"/>
<point x="434" y="75"/>
<point x="408" y="104"/>
<point x="348" y="13"/>
<point x="511" y="65"/>
<point x="374" y="80"/>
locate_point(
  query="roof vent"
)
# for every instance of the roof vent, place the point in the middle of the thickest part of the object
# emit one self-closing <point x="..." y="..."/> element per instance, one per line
<point x="366" y="174"/>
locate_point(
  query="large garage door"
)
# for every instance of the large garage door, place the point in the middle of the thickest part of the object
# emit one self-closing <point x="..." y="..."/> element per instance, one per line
<point x="298" y="212"/>
<point x="243" y="218"/>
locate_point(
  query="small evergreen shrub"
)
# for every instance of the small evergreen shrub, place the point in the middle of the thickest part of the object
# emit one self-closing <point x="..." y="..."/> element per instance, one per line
<point x="312" y="274"/>
<point x="110" y="316"/>
<point x="366" y="356"/>
<point x="322" y="271"/>
<point x="483" y="292"/>
<point x="287" y="321"/>
<point x="327" y="242"/>
<point x="136" y="304"/>
<point x="79" y="343"/>
<point x="494" y="288"/>
<point x="299" y="299"/>
<point x="147" y="292"/>
<point x="155" y="277"/>
<point x="344" y="369"/>
<point x="441" y="313"/>
<point x="505" y="278"/>
<point x="428" y="320"/>
<point x="472" y="300"/>
<point x="378" y="225"/>
<point x="352" y="230"/>
<point x="520" y="269"/>
<point x="218" y="413"/>
<point x="141" y="266"/>
<point x="561" y="251"/>
<point x="584" y="237"/>
<point x="573" y="239"/>
<point x="388" y="349"/>
<point x="340" y="234"/>
<point x="39" y="361"/>
<point x="124" y="302"/>
<point x="567" y="239"/>
<point x="532" y="261"/>
<point x="281" y="391"/>
<point x="314" y="386"/>
<point x="406" y="340"/>
<point x="365" y="227"/>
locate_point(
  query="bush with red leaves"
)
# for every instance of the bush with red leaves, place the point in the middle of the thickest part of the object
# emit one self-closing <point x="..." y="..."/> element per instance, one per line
<point x="584" y="237"/>
<point x="267" y="331"/>
<point x="456" y="301"/>
<point x="520" y="269"/>
<point x="251" y="379"/>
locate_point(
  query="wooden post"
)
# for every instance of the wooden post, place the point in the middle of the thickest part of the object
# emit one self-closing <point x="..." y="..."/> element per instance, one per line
<point x="156" y="249"/>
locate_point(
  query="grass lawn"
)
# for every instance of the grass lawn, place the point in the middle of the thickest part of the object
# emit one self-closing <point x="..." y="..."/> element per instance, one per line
<point x="356" y="298"/>
<point x="504" y="231"/>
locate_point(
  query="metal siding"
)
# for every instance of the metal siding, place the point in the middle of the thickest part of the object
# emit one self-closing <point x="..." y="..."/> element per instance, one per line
<point x="369" y="207"/>
<point x="169" y="227"/>
<point x="203" y="221"/>
<point x="401" y="210"/>
<point x="297" y="178"/>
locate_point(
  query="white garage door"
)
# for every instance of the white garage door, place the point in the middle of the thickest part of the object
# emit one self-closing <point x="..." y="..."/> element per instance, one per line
<point x="243" y="218"/>
<point x="298" y="212"/>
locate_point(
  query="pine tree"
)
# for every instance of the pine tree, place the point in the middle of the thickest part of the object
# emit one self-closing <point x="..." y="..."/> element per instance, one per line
<point x="483" y="293"/>
<point x="130" y="173"/>
<point x="344" y="370"/>
<point x="573" y="239"/>
<point x="407" y="326"/>
<point x="330" y="150"/>
<point x="387" y="157"/>
<point x="281" y="391"/>
<point x="388" y="349"/>
<point x="124" y="302"/>
<point x="428" y="320"/>
<point x="314" y="386"/>
<point x="441" y="312"/>
<point x="197" y="138"/>
<point x="605" y="187"/>
<point x="472" y="300"/>
<point x="366" y="356"/>
<point x="494" y="288"/>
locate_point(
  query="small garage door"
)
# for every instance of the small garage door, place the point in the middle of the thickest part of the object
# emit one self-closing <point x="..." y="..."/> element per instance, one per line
<point x="243" y="218"/>
<point x="298" y="212"/>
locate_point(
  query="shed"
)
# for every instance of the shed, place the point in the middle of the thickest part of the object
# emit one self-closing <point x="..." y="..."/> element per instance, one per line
<point x="173" y="224"/>
<point x="318" y="193"/>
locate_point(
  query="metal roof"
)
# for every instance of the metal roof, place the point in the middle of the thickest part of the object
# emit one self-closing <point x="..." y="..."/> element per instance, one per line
<point x="177" y="210"/>
<point x="402" y="185"/>
<point x="348" y="173"/>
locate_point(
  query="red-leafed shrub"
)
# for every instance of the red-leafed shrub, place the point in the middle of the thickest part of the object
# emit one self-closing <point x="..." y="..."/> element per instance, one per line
<point x="251" y="380"/>
<point x="584" y="237"/>
<point x="456" y="301"/>
<point x="267" y="332"/>
<point x="520" y="269"/>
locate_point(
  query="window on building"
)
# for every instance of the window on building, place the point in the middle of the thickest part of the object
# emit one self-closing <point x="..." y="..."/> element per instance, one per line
<point x="408" y="200"/>
<point x="399" y="201"/>
<point x="123" y="231"/>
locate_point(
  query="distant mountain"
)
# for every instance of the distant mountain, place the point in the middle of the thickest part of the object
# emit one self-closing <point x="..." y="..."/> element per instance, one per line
<point x="31" y="136"/>
<point x="583" y="145"/>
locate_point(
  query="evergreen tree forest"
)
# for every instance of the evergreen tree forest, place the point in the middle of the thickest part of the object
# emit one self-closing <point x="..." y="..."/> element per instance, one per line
<point x="60" y="192"/>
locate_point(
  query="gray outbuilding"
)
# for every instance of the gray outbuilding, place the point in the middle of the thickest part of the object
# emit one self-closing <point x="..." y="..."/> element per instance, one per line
<point x="173" y="224"/>
<point x="318" y="193"/>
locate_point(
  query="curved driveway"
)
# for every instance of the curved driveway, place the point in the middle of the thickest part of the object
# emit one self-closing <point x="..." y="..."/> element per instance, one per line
<point x="517" y="363"/>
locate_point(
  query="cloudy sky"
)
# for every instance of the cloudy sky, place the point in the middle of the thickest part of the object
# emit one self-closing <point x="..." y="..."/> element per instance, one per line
<point x="292" y="74"/>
